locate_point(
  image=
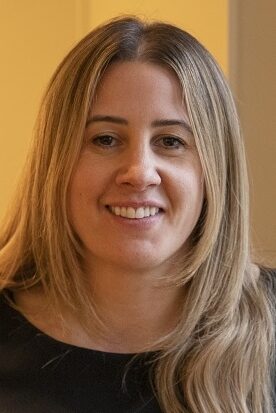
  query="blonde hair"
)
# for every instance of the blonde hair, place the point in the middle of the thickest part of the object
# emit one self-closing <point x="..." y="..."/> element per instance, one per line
<point x="218" y="357"/>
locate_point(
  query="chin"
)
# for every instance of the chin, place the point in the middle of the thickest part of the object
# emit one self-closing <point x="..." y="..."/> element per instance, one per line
<point x="141" y="262"/>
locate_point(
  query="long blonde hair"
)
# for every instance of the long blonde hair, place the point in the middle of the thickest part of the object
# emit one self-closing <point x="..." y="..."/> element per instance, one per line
<point x="218" y="358"/>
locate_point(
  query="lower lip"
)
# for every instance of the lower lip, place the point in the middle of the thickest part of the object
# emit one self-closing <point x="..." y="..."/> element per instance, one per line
<point x="141" y="223"/>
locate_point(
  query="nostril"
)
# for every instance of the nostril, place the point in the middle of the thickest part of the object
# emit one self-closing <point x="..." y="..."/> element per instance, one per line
<point x="139" y="177"/>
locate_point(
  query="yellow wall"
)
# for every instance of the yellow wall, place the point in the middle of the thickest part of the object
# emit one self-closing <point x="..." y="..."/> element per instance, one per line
<point x="35" y="35"/>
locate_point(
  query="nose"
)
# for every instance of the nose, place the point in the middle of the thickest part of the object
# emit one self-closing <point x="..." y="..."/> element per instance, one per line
<point x="138" y="169"/>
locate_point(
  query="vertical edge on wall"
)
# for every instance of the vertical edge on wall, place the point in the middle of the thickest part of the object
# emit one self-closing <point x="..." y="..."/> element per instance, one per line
<point x="233" y="47"/>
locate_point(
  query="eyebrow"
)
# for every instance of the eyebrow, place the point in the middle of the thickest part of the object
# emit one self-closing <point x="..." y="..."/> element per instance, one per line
<point x="154" y="124"/>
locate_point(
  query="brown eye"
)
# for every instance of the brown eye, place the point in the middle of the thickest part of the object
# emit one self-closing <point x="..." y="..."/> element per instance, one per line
<point x="104" y="140"/>
<point x="171" y="142"/>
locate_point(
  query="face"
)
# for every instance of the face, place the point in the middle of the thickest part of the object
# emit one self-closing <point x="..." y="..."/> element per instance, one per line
<point x="137" y="191"/>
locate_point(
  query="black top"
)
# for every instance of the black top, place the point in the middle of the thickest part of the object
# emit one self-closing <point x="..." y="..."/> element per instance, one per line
<point x="39" y="374"/>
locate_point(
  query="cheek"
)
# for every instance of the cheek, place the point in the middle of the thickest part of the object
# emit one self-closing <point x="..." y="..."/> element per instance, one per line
<point x="189" y="183"/>
<point x="195" y="184"/>
<point x="85" y="181"/>
<point x="88" y="185"/>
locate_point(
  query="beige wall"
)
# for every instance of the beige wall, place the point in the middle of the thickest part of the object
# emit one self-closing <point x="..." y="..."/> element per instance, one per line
<point x="252" y="73"/>
<point x="35" y="35"/>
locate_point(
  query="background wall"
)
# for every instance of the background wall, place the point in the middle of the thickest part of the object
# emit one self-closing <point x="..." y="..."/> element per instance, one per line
<point x="252" y="68"/>
<point x="35" y="35"/>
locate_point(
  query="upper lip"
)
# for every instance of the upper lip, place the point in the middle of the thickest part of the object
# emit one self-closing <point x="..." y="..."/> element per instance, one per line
<point x="136" y="204"/>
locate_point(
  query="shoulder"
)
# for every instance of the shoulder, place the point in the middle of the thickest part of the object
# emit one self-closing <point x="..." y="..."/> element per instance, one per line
<point x="10" y="320"/>
<point x="7" y="314"/>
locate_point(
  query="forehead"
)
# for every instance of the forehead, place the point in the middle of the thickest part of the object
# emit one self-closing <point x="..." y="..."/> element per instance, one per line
<point x="139" y="87"/>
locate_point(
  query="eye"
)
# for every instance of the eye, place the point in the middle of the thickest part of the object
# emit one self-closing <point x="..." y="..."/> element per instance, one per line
<point x="106" y="141"/>
<point x="170" y="142"/>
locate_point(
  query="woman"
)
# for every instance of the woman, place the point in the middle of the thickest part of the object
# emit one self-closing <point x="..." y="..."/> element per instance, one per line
<point x="127" y="280"/>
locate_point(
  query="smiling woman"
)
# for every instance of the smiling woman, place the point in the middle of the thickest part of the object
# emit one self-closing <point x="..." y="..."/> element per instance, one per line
<point x="126" y="275"/>
<point x="139" y="157"/>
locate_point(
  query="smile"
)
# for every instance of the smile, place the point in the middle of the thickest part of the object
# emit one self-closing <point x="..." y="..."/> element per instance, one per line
<point x="134" y="213"/>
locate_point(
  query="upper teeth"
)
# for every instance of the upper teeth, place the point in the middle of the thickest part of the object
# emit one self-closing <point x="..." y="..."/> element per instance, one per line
<point x="129" y="212"/>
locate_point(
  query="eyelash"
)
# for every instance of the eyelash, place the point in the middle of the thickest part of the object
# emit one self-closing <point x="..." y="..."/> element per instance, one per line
<point x="180" y="142"/>
<point x="96" y="141"/>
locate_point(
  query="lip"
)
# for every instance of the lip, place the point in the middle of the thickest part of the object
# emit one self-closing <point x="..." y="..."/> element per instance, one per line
<point x="146" y="223"/>
<point x="136" y="204"/>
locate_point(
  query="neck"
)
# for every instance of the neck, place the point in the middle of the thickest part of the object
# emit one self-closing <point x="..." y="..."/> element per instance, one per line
<point x="136" y="309"/>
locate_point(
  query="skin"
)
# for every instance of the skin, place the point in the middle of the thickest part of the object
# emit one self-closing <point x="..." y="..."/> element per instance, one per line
<point x="137" y="158"/>
<point x="128" y="161"/>
<point x="131" y="162"/>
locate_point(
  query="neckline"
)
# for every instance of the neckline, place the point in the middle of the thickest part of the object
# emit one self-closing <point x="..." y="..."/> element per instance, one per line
<point x="39" y="333"/>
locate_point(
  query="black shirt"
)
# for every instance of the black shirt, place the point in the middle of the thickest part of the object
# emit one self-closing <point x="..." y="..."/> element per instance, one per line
<point x="39" y="374"/>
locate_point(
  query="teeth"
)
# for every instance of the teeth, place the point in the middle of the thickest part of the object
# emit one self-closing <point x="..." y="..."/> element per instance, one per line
<point x="130" y="212"/>
<point x="152" y="211"/>
<point x="117" y="210"/>
<point x="133" y="213"/>
<point x="147" y="212"/>
<point x="140" y="213"/>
